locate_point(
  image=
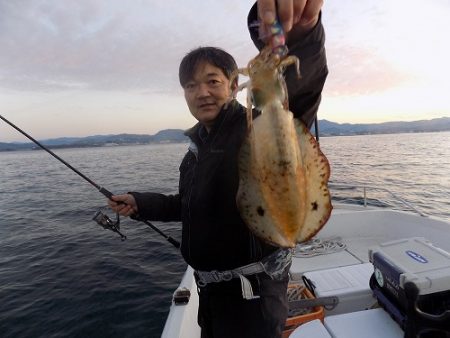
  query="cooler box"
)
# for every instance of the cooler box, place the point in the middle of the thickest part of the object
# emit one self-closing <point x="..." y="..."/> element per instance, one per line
<point x="411" y="281"/>
<point x="349" y="283"/>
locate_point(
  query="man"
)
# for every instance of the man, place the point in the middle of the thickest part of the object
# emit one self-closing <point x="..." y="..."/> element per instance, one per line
<point x="235" y="300"/>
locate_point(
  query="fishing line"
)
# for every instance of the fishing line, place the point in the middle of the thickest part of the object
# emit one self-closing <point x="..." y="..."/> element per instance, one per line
<point x="101" y="218"/>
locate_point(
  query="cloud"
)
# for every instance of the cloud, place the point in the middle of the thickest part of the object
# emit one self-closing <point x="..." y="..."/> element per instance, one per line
<point x="356" y="70"/>
<point x="99" y="45"/>
<point x="50" y="47"/>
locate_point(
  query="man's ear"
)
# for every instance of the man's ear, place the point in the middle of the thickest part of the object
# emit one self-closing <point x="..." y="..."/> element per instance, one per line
<point x="234" y="87"/>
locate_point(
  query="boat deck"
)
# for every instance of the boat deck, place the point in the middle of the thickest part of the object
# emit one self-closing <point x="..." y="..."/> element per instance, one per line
<point x="359" y="228"/>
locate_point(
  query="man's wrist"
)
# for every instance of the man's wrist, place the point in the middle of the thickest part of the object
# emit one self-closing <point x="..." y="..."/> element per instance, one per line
<point x="301" y="29"/>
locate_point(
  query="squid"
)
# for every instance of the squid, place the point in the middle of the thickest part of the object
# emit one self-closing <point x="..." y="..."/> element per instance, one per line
<point x="283" y="194"/>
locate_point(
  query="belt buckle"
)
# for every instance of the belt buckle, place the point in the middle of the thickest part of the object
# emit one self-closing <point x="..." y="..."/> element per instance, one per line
<point x="216" y="276"/>
<point x="227" y="275"/>
<point x="220" y="276"/>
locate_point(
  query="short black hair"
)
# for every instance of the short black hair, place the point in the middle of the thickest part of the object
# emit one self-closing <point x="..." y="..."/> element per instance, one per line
<point x="213" y="55"/>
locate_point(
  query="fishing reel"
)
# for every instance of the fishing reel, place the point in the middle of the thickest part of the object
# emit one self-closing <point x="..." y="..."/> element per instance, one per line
<point x="107" y="223"/>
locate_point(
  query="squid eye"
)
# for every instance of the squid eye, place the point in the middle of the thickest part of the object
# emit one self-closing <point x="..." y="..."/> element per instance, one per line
<point x="257" y="97"/>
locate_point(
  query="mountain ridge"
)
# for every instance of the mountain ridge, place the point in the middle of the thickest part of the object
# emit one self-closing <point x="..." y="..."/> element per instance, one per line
<point x="326" y="128"/>
<point x="329" y="128"/>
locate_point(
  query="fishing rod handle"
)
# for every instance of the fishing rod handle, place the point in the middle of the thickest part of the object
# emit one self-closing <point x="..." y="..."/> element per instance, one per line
<point x="108" y="194"/>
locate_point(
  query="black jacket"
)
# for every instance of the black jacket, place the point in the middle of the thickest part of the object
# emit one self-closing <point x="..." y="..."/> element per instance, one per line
<point x="214" y="237"/>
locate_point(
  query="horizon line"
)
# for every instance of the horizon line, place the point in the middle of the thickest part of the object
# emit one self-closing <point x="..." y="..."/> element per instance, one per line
<point x="324" y="119"/>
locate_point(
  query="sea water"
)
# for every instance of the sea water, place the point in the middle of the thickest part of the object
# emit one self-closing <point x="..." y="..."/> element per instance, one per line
<point x="61" y="275"/>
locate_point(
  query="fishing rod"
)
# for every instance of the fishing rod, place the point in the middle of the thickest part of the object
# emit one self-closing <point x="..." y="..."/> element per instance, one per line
<point x="101" y="219"/>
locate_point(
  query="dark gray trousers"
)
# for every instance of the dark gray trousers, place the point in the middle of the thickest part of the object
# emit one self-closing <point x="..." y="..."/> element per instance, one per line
<point x="223" y="313"/>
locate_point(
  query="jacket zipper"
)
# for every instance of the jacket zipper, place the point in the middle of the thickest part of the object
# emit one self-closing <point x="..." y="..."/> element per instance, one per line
<point x="189" y="204"/>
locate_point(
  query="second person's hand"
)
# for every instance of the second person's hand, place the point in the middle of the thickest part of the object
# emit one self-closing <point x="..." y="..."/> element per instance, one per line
<point x="300" y="14"/>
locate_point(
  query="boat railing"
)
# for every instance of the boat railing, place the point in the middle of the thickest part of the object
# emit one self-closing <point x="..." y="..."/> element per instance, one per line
<point x="366" y="201"/>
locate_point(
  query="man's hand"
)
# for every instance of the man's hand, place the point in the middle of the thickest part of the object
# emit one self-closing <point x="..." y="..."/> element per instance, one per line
<point x="124" y="205"/>
<point x="299" y="14"/>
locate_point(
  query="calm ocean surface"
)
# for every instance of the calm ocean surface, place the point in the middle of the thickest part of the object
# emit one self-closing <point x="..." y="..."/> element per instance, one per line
<point x="61" y="275"/>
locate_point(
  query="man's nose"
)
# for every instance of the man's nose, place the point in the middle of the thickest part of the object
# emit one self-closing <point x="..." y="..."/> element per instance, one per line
<point x="203" y="90"/>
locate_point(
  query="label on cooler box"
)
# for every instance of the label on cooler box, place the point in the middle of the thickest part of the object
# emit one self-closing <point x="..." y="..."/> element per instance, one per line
<point x="388" y="276"/>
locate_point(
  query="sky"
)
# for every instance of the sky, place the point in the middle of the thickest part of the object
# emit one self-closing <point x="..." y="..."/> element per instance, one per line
<point x="96" y="67"/>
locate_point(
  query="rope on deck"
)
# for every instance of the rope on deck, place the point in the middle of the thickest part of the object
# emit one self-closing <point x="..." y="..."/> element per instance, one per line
<point x="317" y="246"/>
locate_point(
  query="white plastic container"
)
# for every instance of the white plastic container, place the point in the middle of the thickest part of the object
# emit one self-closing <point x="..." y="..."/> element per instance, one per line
<point x="349" y="283"/>
<point x="375" y="323"/>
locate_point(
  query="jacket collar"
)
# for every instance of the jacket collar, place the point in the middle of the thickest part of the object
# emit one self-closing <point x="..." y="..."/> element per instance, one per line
<point x="227" y="111"/>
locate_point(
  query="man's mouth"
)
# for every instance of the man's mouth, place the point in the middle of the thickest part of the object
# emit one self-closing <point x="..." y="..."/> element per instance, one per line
<point x="206" y="105"/>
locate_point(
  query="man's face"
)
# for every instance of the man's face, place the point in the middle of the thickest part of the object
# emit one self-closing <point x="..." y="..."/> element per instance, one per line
<point x="206" y="93"/>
